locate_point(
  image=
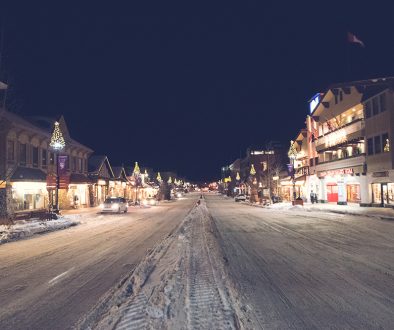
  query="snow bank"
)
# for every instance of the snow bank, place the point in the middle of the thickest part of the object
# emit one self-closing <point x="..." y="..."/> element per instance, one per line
<point x="27" y="228"/>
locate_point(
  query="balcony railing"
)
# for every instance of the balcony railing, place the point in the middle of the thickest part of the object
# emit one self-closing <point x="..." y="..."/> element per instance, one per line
<point x="348" y="132"/>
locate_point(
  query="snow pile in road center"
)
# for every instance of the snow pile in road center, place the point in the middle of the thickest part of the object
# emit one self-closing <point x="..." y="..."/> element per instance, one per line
<point x="27" y="228"/>
<point x="179" y="284"/>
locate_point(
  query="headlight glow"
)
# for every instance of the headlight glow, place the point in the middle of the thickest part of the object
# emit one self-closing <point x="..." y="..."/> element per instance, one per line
<point x="115" y="206"/>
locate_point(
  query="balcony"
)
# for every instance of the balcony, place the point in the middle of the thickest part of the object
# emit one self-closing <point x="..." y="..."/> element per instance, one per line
<point x="352" y="161"/>
<point x="349" y="132"/>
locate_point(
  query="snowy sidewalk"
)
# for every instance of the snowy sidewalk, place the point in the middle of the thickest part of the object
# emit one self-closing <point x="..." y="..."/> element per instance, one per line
<point x="23" y="229"/>
<point x="350" y="209"/>
<point x="181" y="284"/>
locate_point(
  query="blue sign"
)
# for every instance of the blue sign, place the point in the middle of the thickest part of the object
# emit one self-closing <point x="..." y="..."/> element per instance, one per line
<point x="314" y="102"/>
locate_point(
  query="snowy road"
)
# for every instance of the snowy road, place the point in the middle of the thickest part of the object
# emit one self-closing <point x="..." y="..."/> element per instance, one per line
<point x="307" y="270"/>
<point x="50" y="281"/>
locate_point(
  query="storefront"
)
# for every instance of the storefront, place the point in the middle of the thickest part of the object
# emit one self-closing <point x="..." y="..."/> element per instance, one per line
<point x="342" y="186"/>
<point x="29" y="191"/>
<point x="382" y="188"/>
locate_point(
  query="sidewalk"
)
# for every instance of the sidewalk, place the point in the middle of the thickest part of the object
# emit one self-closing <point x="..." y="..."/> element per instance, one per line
<point x="351" y="209"/>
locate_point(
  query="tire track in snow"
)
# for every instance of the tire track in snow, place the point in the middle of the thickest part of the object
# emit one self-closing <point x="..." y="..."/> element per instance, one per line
<point x="207" y="307"/>
<point x="134" y="314"/>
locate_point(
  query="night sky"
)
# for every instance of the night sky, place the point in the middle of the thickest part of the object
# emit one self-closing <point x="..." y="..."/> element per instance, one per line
<point x="186" y="87"/>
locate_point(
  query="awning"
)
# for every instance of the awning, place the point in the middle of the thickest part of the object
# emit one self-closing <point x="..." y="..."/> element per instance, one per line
<point x="28" y="174"/>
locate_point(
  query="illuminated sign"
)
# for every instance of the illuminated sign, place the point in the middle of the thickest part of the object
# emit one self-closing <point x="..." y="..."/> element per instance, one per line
<point x="314" y="102"/>
<point x="341" y="171"/>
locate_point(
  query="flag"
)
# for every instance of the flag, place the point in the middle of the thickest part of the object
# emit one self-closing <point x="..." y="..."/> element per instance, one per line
<point x="353" y="39"/>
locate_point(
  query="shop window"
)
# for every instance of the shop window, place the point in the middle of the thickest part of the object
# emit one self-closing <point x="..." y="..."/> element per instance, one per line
<point x="368" y="109"/>
<point x="375" y="106"/>
<point x="370" y="146"/>
<point x="10" y="150"/>
<point x="35" y="156"/>
<point x="22" y="154"/>
<point x="377" y="144"/>
<point x="382" y="101"/>
<point x="44" y="158"/>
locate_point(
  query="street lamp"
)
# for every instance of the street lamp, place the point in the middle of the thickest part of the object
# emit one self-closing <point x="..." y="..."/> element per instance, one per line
<point x="293" y="155"/>
<point x="57" y="144"/>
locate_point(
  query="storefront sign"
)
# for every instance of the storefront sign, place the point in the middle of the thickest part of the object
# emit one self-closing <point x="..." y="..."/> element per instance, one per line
<point x="341" y="171"/>
<point x="380" y="174"/>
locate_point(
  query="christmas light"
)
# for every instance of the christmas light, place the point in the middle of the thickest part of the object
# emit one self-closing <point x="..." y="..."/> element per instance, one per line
<point x="237" y="177"/>
<point x="387" y="146"/>
<point x="252" y="170"/>
<point x="57" y="140"/>
<point x="169" y="180"/>
<point x="158" y="178"/>
<point x="136" y="169"/>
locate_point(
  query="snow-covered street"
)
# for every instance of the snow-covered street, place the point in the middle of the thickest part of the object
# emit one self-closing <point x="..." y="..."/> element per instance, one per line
<point x="216" y="265"/>
<point x="50" y="281"/>
<point x="308" y="270"/>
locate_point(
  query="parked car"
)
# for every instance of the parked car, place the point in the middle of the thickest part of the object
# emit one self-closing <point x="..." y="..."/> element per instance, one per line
<point x="240" y="197"/>
<point x="114" y="205"/>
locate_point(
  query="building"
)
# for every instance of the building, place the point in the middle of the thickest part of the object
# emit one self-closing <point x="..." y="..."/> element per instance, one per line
<point x="350" y="126"/>
<point x="27" y="161"/>
<point x="100" y="175"/>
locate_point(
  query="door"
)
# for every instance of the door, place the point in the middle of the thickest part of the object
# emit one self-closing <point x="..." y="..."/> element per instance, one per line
<point x="332" y="193"/>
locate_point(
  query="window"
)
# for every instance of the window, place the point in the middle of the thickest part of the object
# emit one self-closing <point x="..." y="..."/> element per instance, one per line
<point x="336" y="98"/>
<point x="51" y="158"/>
<point x="370" y="146"/>
<point x="67" y="162"/>
<point x="378" y="144"/>
<point x="35" y="156"/>
<point x="340" y="96"/>
<point x="22" y="154"/>
<point x="375" y="106"/>
<point x="10" y="151"/>
<point x="385" y="142"/>
<point x="74" y="164"/>
<point x="80" y="165"/>
<point x="382" y="101"/>
<point x="368" y="109"/>
<point x="44" y="158"/>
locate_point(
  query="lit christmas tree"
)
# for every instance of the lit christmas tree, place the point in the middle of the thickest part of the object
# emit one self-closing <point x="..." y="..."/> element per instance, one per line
<point x="57" y="140"/>
<point x="158" y="178"/>
<point x="237" y="177"/>
<point x="169" y="180"/>
<point x="252" y="170"/>
<point x="136" y="169"/>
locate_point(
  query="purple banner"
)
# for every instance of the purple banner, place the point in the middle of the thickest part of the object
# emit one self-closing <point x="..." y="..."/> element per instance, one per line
<point x="62" y="160"/>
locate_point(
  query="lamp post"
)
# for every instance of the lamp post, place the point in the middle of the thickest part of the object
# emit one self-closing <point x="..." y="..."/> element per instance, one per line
<point x="57" y="144"/>
<point x="293" y="155"/>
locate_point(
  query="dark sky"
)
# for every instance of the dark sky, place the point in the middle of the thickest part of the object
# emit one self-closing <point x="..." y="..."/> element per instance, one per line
<point x="186" y="86"/>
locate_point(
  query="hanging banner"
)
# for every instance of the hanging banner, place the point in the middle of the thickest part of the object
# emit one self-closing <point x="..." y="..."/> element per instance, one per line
<point x="62" y="160"/>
